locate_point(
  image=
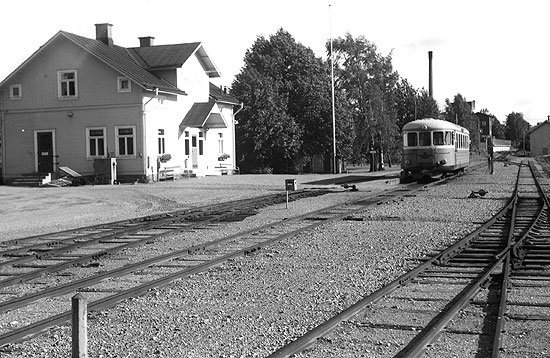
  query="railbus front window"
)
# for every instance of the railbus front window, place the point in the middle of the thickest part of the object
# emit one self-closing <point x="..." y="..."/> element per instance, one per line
<point x="411" y="140"/>
<point x="424" y="139"/>
<point x="438" y="138"/>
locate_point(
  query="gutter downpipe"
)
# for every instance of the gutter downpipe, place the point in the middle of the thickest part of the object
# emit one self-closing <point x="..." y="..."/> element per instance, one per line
<point x="241" y="106"/>
<point x="2" y="136"/>
<point x="144" y="135"/>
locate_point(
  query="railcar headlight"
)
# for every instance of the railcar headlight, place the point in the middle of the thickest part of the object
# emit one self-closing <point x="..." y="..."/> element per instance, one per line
<point x="407" y="162"/>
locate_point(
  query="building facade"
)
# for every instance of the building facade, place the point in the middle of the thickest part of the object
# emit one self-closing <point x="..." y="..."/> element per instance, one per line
<point x="77" y="102"/>
<point x="539" y="138"/>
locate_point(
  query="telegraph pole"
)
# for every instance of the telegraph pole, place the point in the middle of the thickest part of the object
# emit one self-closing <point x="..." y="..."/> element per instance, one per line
<point x="335" y="170"/>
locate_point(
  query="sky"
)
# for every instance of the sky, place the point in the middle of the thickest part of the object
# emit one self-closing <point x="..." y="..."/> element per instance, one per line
<point x="493" y="52"/>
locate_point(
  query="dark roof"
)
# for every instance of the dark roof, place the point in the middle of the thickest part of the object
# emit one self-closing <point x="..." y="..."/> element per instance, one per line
<point x="119" y="59"/>
<point x="197" y="114"/>
<point x="220" y="95"/>
<point x="539" y="126"/>
<point x="200" y="116"/>
<point x="135" y="63"/>
<point x="164" y="56"/>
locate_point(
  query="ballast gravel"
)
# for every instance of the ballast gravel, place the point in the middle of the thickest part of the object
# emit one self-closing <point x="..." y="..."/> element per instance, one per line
<point x="251" y="306"/>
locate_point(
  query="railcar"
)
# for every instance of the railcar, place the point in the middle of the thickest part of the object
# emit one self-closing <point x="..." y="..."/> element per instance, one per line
<point x="433" y="148"/>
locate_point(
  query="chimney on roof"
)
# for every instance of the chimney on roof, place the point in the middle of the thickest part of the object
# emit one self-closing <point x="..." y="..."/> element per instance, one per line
<point x="146" y="41"/>
<point x="103" y="33"/>
<point x="430" y="76"/>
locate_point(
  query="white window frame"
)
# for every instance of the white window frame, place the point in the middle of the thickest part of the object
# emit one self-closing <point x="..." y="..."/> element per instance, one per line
<point x="120" y="80"/>
<point x="161" y="142"/>
<point x="220" y="143"/>
<point x="15" y="97"/>
<point x="187" y="147"/>
<point x="61" y="80"/>
<point x="117" y="141"/>
<point x="200" y="143"/>
<point x="88" y="137"/>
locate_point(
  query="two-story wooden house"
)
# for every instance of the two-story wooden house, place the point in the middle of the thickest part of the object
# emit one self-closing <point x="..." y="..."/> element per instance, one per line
<point x="79" y="102"/>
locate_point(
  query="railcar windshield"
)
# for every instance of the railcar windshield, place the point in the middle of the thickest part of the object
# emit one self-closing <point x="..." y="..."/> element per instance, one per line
<point x="411" y="139"/>
<point x="424" y="139"/>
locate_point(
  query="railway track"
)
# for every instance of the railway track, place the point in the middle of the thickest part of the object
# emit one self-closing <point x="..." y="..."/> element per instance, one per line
<point x="485" y="296"/>
<point x="39" y="274"/>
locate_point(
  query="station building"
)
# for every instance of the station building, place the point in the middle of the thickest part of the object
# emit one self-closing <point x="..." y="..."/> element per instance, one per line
<point x="87" y="104"/>
<point x="539" y="137"/>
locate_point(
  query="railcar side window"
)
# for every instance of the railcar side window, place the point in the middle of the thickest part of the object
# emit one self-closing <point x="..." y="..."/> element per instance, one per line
<point x="411" y="140"/>
<point x="438" y="138"/>
<point x="424" y="139"/>
<point x="448" y="138"/>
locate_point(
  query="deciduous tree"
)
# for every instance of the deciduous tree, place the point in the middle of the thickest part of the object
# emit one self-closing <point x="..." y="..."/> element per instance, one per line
<point x="460" y="112"/>
<point x="516" y="128"/>
<point x="287" y="113"/>
<point x="368" y="82"/>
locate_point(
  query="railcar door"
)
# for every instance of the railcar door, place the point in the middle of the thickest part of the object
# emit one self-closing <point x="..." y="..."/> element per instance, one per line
<point x="425" y="153"/>
<point x="410" y="142"/>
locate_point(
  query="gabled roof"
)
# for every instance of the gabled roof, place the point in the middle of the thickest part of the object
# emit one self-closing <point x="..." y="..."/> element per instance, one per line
<point x="539" y="126"/>
<point x="119" y="59"/>
<point x="201" y="116"/>
<point x="173" y="56"/>
<point x="220" y="95"/>
<point x="135" y="63"/>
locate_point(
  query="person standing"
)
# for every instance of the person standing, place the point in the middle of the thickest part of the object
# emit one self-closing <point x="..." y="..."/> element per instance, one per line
<point x="490" y="154"/>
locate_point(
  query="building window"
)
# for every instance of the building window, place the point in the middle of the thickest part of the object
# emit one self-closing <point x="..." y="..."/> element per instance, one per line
<point x="67" y="85"/>
<point x="125" y="141"/>
<point x="15" y="92"/>
<point x="124" y="84"/>
<point x="187" y="147"/>
<point x="201" y="145"/>
<point x="97" y="145"/>
<point x="220" y="143"/>
<point x="161" y="142"/>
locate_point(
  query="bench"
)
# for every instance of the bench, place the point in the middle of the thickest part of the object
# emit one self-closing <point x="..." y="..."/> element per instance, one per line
<point x="222" y="168"/>
<point x="169" y="173"/>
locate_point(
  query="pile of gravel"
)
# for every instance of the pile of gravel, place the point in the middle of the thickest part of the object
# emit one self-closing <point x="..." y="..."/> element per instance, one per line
<point x="251" y="306"/>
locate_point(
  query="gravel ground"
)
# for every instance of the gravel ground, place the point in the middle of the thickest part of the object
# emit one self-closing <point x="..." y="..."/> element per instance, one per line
<point x="29" y="211"/>
<point x="250" y="306"/>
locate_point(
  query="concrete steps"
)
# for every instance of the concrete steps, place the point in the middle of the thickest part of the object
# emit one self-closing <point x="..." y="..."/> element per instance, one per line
<point x="32" y="180"/>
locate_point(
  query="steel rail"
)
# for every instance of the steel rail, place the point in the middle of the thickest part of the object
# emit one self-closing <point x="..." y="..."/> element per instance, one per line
<point x="433" y="333"/>
<point x="324" y="328"/>
<point x="146" y="225"/>
<point x="95" y="256"/>
<point x="149" y="218"/>
<point x="74" y="285"/>
<point x="37" y="328"/>
<point x="503" y="258"/>
<point x="502" y="308"/>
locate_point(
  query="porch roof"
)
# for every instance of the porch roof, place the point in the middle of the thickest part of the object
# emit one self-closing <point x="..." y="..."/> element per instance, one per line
<point x="201" y="116"/>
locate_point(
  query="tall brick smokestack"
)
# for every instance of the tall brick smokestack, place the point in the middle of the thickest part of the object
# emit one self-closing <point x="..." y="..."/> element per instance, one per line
<point x="430" y="76"/>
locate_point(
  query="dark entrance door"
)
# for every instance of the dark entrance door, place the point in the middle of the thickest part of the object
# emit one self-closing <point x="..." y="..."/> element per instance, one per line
<point x="44" y="143"/>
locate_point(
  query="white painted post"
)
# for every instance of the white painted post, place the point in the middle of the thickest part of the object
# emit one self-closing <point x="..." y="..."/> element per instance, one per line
<point x="80" y="326"/>
<point x="287" y="199"/>
<point x="290" y="184"/>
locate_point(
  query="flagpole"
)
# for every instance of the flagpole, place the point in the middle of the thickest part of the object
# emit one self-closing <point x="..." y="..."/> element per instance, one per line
<point x="335" y="171"/>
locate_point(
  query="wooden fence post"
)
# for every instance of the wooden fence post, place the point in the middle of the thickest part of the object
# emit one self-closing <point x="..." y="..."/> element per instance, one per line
<point x="80" y="326"/>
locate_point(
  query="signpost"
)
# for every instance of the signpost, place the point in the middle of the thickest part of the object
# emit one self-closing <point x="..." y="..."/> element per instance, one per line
<point x="290" y="185"/>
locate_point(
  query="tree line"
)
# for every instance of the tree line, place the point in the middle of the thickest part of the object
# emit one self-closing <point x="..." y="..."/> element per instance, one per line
<point x="287" y="119"/>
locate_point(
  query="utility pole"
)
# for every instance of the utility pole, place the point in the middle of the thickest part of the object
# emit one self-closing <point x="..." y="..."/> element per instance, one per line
<point x="335" y="168"/>
<point x="430" y="75"/>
